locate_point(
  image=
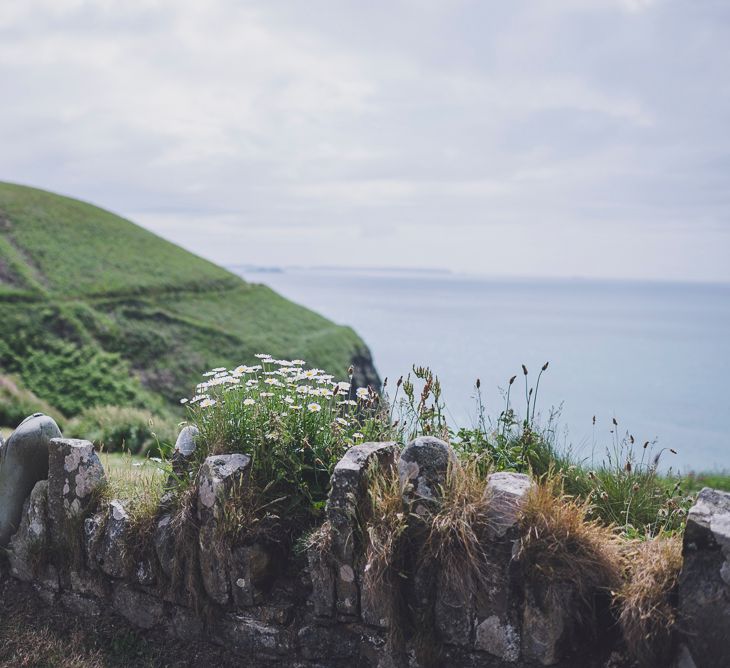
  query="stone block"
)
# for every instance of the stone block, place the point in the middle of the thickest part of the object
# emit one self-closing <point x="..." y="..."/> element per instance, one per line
<point x="217" y="478"/>
<point x="111" y="555"/>
<point x="704" y="583"/>
<point x="28" y="545"/>
<point x="347" y="493"/>
<point x="138" y="608"/>
<point x="74" y="475"/>
<point x="23" y="462"/>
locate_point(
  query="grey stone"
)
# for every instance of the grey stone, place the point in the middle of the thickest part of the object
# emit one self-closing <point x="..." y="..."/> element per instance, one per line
<point x="453" y="611"/>
<point x="251" y="638"/>
<point x="80" y="605"/>
<point x="217" y="477"/>
<point x="684" y="658"/>
<point x="325" y="643"/>
<point x="164" y="540"/>
<point x="23" y="462"/>
<point x="251" y="571"/>
<point x="28" y="545"/>
<point x="704" y="594"/>
<point x="185" y="624"/>
<point x="347" y="493"/>
<point x="424" y="464"/>
<point x="506" y="493"/>
<point x="111" y="554"/>
<point x="138" y="608"/>
<point x="89" y="583"/>
<point x="93" y="533"/>
<point x="322" y="574"/>
<point x="543" y="628"/>
<point x="74" y="475"/>
<point x="186" y="440"/>
<point x="498" y="638"/>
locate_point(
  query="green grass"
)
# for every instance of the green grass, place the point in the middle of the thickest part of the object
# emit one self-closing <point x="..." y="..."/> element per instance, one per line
<point x="97" y="311"/>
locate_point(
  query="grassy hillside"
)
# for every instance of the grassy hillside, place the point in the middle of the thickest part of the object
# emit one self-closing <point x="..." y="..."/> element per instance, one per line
<point x="95" y="310"/>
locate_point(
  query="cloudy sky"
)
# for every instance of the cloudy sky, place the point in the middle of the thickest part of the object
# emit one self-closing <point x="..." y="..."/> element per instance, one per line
<point x="528" y="138"/>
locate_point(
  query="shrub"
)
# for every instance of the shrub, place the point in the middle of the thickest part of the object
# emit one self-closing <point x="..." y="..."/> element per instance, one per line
<point x="17" y="403"/>
<point x="295" y="424"/>
<point x="116" y="428"/>
<point x="648" y="614"/>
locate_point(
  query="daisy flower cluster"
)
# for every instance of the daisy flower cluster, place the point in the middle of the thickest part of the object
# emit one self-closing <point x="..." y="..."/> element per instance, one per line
<point x="295" y="422"/>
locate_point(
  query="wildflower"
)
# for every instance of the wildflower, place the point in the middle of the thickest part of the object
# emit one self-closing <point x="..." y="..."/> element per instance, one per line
<point x="219" y="368"/>
<point x="357" y="435"/>
<point x="298" y="362"/>
<point x="198" y="397"/>
<point x="348" y="402"/>
<point x="314" y="407"/>
<point x="302" y="389"/>
<point x="249" y="401"/>
<point x="296" y="407"/>
<point x="209" y="373"/>
<point x="267" y="394"/>
<point x="251" y="382"/>
<point x="271" y="436"/>
<point x="272" y="381"/>
<point x="263" y="356"/>
<point x="207" y="402"/>
<point x="183" y="400"/>
<point x="362" y="393"/>
<point x="284" y="363"/>
<point x="309" y="373"/>
<point x="289" y="400"/>
<point x="344" y="387"/>
<point x="342" y="421"/>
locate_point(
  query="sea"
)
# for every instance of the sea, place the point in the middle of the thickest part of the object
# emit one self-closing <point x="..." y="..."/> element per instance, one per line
<point x="654" y="357"/>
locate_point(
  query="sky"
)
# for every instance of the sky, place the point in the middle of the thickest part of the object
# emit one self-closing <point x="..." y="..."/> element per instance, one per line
<point x="552" y="138"/>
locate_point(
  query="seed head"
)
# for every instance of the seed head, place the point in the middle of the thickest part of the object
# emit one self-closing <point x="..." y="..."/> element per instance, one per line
<point x="545" y="366"/>
<point x="524" y="369"/>
<point x="512" y="380"/>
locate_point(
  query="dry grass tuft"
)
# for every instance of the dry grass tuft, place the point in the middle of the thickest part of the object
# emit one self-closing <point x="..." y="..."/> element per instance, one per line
<point x="457" y="528"/>
<point x="561" y="550"/>
<point x="648" y="615"/>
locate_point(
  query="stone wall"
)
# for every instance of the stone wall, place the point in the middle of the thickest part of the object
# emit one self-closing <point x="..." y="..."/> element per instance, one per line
<point x="316" y="610"/>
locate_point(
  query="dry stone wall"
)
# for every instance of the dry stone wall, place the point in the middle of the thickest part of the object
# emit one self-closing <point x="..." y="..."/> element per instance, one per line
<point x="281" y="610"/>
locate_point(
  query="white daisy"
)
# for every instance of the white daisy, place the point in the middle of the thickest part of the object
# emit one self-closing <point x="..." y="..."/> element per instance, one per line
<point x="249" y="402"/>
<point x="314" y="408"/>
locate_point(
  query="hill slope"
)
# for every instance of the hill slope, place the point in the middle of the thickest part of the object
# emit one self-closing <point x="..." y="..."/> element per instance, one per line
<point x="96" y="310"/>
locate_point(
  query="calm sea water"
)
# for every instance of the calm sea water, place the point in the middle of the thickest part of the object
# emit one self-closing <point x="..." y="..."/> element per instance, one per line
<point x="654" y="356"/>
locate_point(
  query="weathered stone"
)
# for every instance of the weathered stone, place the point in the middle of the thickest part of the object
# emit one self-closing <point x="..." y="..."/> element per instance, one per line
<point x="144" y="572"/>
<point x="325" y="643"/>
<point x="111" y="554"/>
<point x="186" y="440"/>
<point x="453" y="610"/>
<point x="93" y="534"/>
<point x="218" y="476"/>
<point x="506" y="493"/>
<point x="137" y="607"/>
<point x="424" y="464"/>
<point x="28" y="544"/>
<point x="498" y="638"/>
<point x="347" y="493"/>
<point x="543" y="628"/>
<point x="185" y="447"/>
<point x="704" y="583"/>
<point x="185" y="624"/>
<point x="499" y="614"/>
<point x="74" y="474"/>
<point x="89" y="583"/>
<point x="251" y="571"/>
<point x="164" y="540"/>
<point x="80" y="605"/>
<point x="322" y="574"/>
<point x="23" y="462"/>
<point x="251" y="638"/>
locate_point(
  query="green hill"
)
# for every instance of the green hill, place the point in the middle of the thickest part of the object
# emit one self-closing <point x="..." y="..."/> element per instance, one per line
<point x="95" y="310"/>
